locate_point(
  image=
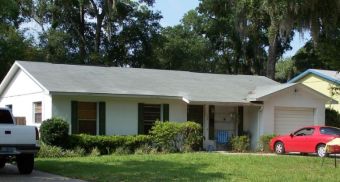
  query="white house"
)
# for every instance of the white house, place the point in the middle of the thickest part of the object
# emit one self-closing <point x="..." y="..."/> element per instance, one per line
<point x="126" y="101"/>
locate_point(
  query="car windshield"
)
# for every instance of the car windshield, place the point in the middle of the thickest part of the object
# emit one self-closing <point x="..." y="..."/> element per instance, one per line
<point x="330" y="131"/>
<point x="5" y="117"/>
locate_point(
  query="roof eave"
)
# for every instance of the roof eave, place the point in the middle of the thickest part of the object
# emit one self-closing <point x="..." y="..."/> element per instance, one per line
<point x="261" y="98"/>
<point x="311" y="71"/>
<point x="318" y="94"/>
<point x="10" y="75"/>
<point x="32" y="77"/>
<point x="8" y="78"/>
<point x="62" y="93"/>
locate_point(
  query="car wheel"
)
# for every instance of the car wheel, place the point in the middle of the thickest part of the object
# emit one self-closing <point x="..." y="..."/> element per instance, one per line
<point x="25" y="163"/>
<point x="321" y="150"/>
<point x="279" y="148"/>
<point x="2" y="163"/>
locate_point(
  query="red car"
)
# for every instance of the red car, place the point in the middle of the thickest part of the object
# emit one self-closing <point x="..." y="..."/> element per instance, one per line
<point x="310" y="139"/>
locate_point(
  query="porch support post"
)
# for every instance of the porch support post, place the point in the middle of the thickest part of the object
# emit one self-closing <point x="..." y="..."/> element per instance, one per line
<point x="206" y="124"/>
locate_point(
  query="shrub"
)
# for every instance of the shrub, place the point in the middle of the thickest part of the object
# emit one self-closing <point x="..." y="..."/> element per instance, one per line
<point x="80" y="151"/>
<point x="108" y="144"/>
<point x="176" y="137"/>
<point x="71" y="153"/>
<point x="47" y="151"/>
<point x="240" y="143"/>
<point x="193" y="136"/>
<point x="54" y="132"/>
<point x="122" y="151"/>
<point x="144" y="149"/>
<point x="165" y="135"/>
<point x="332" y="118"/>
<point x="264" y="142"/>
<point x="95" y="152"/>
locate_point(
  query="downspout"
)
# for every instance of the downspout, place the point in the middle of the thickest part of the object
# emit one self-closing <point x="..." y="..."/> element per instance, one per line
<point x="258" y="122"/>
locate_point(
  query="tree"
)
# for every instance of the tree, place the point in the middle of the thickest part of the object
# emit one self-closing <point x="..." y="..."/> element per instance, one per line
<point x="184" y="48"/>
<point x="281" y="14"/>
<point x="236" y="31"/>
<point x="13" y="45"/>
<point x="308" y="57"/>
<point x="322" y="19"/>
<point x="112" y="32"/>
<point x="285" y="70"/>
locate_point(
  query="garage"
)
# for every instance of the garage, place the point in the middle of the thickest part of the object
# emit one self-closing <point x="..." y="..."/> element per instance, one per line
<point x="288" y="119"/>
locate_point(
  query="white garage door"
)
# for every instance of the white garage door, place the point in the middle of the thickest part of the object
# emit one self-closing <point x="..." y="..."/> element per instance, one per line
<point x="289" y="119"/>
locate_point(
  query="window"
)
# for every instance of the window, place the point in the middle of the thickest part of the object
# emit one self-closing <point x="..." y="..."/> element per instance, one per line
<point x="37" y="112"/>
<point x="152" y="113"/>
<point x="329" y="131"/>
<point x="304" y="132"/>
<point x="87" y="117"/>
<point x="195" y="113"/>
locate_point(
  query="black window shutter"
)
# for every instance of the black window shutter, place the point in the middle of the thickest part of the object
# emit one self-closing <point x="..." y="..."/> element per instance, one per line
<point x="140" y="118"/>
<point x="240" y="120"/>
<point x="165" y="112"/>
<point x="211" y="122"/>
<point x="74" y="117"/>
<point x="102" y="118"/>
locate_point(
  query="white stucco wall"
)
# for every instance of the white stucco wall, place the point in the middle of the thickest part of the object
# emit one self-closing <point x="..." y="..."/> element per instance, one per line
<point x="292" y="97"/>
<point x="121" y="113"/>
<point x="251" y="124"/>
<point x="225" y="118"/>
<point x="21" y="92"/>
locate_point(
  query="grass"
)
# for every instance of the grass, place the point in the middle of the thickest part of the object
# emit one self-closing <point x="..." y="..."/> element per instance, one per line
<point x="192" y="167"/>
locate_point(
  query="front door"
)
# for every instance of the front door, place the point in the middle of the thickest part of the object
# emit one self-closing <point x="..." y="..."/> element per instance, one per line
<point x="195" y="113"/>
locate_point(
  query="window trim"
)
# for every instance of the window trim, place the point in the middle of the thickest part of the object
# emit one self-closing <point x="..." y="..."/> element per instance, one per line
<point x="313" y="130"/>
<point x="96" y="119"/>
<point x="160" y="114"/>
<point x="34" y="112"/>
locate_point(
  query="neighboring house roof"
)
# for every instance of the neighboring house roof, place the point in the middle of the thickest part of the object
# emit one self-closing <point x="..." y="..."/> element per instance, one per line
<point x="259" y="93"/>
<point x="189" y="86"/>
<point x="333" y="76"/>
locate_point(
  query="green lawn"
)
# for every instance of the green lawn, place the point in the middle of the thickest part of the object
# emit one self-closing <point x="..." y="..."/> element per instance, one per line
<point x="193" y="167"/>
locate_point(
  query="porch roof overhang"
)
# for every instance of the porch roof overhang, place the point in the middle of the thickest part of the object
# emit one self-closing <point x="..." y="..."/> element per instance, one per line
<point x="179" y="98"/>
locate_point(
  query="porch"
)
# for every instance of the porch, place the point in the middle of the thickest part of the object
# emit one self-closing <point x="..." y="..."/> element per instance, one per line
<point x="221" y="122"/>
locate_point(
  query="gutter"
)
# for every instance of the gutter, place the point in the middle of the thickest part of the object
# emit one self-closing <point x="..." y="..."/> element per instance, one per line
<point x="56" y="93"/>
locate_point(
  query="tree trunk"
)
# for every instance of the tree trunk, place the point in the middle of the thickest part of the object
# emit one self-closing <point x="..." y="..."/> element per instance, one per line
<point x="98" y="33"/>
<point x="272" y="57"/>
<point x="82" y="36"/>
<point x="100" y="17"/>
<point x="315" y="30"/>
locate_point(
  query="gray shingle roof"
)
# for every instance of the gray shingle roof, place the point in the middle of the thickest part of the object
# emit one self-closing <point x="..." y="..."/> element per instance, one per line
<point x="262" y="91"/>
<point x="145" y="82"/>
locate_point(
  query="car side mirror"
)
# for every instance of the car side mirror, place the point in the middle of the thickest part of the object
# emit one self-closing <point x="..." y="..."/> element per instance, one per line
<point x="291" y="135"/>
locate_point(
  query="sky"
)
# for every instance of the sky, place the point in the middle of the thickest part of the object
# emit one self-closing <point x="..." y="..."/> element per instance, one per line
<point x="173" y="11"/>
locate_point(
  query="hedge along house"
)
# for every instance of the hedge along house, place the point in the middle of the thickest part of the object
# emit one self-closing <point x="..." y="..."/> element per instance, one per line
<point x="127" y="101"/>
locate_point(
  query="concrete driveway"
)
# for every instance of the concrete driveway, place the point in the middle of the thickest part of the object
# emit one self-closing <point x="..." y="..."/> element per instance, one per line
<point x="10" y="173"/>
